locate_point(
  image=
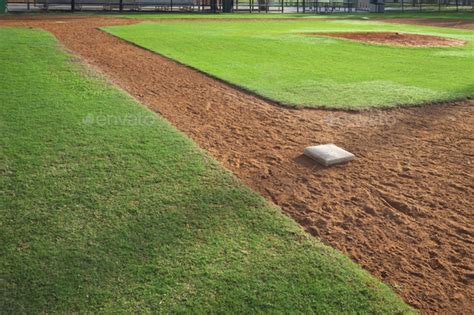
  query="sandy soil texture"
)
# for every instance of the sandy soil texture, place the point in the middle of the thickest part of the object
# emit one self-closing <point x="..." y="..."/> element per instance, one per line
<point x="403" y="209"/>
<point x="396" y="39"/>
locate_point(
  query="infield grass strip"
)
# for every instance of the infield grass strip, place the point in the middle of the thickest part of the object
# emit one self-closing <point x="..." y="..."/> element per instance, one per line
<point x="107" y="208"/>
<point x="276" y="60"/>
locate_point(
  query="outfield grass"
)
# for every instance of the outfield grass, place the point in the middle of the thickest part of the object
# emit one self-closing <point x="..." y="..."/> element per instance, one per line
<point x="107" y="208"/>
<point x="140" y="15"/>
<point x="444" y="15"/>
<point x="273" y="59"/>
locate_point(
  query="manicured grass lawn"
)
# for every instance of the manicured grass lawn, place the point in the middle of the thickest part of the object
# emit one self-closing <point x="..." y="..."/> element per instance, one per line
<point x="449" y="15"/>
<point x="140" y="15"/>
<point x="273" y="59"/>
<point x="464" y="13"/>
<point x="107" y="208"/>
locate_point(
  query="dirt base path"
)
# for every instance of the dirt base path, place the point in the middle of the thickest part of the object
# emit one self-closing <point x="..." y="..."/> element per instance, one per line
<point x="403" y="209"/>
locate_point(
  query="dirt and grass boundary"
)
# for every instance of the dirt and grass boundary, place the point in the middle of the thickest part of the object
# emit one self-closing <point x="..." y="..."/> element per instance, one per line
<point x="400" y="212"/>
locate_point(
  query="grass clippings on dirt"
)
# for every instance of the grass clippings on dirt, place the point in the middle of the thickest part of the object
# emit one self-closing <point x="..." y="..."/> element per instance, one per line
<point x="276" y="60"/>
<point x="107" y="208"/>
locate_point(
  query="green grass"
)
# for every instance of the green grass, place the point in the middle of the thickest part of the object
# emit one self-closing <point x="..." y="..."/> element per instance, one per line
<point x="438" y="15"/>
<point x="273" y="59"/>
<point x="140" y="15"/>
<point x="241" y="15"/>
<point x="448" y="15"/>
<point x="106" y="208"/>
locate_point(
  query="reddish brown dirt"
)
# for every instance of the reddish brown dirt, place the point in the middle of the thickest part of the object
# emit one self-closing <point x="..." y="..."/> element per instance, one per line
<point x="403" y="209"/>
<point x="397" y="39"/>
<point x="467" y="24"/>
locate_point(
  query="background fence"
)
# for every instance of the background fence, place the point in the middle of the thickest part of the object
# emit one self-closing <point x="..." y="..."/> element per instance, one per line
<point x="429" y="5"/>
<point x="285" y="6"/>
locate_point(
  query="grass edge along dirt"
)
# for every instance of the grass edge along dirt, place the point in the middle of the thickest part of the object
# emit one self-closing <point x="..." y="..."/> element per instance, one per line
<point x="108" y="208"/>
<point x="312" y="71"/>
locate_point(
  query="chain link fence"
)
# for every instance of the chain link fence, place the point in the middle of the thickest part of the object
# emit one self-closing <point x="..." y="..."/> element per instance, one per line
<point x="258" y="6"/>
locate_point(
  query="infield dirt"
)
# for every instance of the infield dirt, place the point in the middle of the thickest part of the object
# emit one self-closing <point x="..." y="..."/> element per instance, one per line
<point x="403" y="209"/>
